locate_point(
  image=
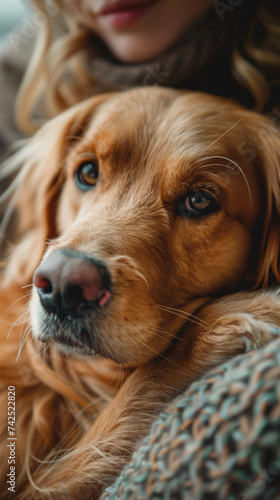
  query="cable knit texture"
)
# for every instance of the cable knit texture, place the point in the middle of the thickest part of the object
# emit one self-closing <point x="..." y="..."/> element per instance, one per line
<point x="217" y="441"/>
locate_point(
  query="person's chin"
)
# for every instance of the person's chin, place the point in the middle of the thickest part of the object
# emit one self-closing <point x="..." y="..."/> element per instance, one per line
<point x="132" y="48"/>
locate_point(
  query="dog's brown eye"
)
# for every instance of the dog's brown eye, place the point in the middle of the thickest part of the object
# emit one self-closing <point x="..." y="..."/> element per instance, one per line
<point x="198" y="203"/>
<point x="199" y="200"/>
<point x="87" y="175"/>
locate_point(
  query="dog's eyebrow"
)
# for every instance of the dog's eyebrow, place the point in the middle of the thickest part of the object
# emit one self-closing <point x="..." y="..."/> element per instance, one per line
<point x="86" y="155"/>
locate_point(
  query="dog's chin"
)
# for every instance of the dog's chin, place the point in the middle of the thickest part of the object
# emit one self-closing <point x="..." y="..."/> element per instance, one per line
<point x="67" y="343"/>
<point x="71" y="336"/>
<point x="74" y="351"/>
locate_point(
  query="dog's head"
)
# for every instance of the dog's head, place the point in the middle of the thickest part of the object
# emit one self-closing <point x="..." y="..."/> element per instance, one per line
<point x="151" y="201"/>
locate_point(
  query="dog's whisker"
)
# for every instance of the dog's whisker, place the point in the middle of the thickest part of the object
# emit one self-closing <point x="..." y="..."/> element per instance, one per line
<point x="16" y="322"/>
<point x="41" y="352"/>
<point x="194" y="320"/>
<point x="156" y="352"/>
<point x="164" y="334"/>
<point x="15" y="302"/>
<point x="24" y="337"/>
<point x="238" y="167"/>
<point x="28" y="328"/>
<point x="222" y="135"/>
<point x="118" y="373"/>
<point x="219" y="157"/>
<point x="157" y="335"/>
<point x="22" y="342"/>
<point x="163" y="357"/>
<point x="189" y="318"/>
<point x="209" y="165"/>
<point x="183" y="314"/>
<point x="128" y="261"/>
<point x="187" y="314"/>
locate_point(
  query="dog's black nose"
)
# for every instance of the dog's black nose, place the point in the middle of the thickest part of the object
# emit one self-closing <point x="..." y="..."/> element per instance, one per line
<point x="71" y="283"/>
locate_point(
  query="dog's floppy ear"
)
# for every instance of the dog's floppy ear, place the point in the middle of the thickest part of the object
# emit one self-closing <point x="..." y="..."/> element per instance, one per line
<point x="33" y="195"/>
<point x="267" y="137"/>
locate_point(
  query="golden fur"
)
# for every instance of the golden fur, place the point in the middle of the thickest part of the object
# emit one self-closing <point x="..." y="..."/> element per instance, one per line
<point x="189" y="292"/>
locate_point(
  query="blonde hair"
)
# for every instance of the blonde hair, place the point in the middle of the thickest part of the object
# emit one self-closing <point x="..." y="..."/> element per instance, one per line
<point x="63" y="42"/>
<point x="259" y="56"/>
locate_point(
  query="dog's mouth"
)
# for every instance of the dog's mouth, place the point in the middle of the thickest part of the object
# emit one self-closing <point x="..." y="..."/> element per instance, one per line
<point x="66" y="334"/>
<point x="69" y="345"/>
<point x="66" y="338"/>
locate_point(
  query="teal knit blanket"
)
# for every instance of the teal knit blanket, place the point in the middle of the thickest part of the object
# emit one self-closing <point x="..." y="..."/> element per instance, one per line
<point x="219" y="440"/>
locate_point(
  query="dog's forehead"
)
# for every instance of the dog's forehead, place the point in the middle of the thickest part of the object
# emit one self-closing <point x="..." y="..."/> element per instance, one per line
<point x="162" y="118"/>
<point x="132" y="112"/>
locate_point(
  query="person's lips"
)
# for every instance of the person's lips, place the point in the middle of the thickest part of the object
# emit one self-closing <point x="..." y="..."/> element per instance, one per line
<point x="123" y="13"/>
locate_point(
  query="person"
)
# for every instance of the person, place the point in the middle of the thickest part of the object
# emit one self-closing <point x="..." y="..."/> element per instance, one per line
<point x="83" y="47"/>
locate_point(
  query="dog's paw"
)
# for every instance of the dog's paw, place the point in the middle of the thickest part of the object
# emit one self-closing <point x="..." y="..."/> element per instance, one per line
<point x="244" y="331"/>
<point x="240" y="323"/>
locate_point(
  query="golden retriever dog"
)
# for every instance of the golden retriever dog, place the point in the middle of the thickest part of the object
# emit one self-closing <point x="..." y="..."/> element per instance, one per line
<point x="142" y="249"/>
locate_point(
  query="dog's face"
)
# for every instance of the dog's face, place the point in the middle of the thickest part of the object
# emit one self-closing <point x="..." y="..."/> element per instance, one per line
<point x="158" y="207"/>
